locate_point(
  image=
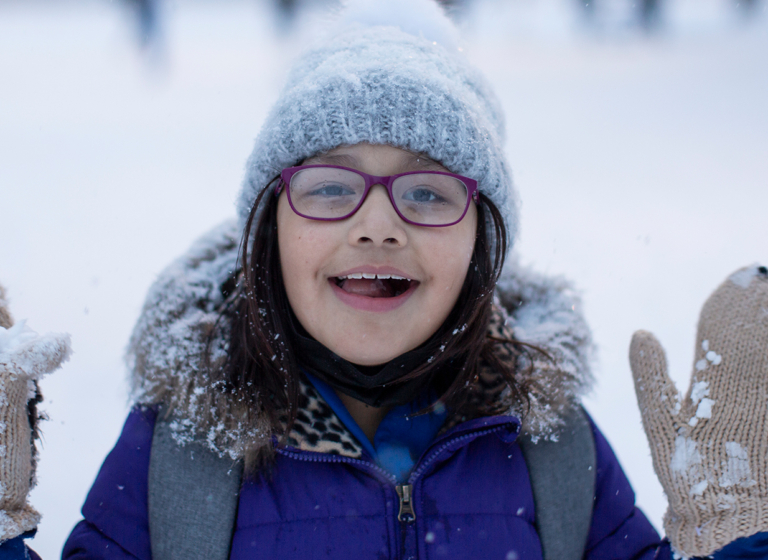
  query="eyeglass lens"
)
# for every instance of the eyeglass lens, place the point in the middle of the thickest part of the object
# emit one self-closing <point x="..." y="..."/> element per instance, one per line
<point x="422" y="198"/>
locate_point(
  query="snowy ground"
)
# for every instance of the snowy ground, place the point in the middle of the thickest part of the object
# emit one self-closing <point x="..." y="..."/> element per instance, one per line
<point x="641" y="161"/>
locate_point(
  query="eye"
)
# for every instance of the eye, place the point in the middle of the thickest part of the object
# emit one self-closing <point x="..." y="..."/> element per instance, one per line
<point x="423" y="195"/>
<point x="331" y="190"/>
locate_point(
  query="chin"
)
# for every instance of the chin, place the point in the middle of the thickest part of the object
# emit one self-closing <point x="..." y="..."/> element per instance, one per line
<point x="367" y="359"/>
<point x="353" y="350"/>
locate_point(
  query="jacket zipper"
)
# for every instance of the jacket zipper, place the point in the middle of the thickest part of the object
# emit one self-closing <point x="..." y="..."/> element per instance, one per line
<point x="365" y="466"/>
<point x="405" y="492"/>
<point x="406" y="513"/>
<point x="409" y="546"/>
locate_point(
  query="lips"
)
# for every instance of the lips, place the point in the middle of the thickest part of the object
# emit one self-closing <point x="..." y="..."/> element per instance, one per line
<point x="380" y="291"/>
<point x="374" y="285"/>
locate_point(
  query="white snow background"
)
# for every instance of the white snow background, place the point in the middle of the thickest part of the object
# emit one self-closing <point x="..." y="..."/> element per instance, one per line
<point x="642" y="163"/>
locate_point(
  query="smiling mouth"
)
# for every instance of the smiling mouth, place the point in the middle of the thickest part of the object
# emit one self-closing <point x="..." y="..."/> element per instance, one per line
<point x="374" y="285"/>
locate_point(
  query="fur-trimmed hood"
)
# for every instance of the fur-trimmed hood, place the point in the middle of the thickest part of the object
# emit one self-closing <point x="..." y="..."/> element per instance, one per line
<point x="166" y="353"/>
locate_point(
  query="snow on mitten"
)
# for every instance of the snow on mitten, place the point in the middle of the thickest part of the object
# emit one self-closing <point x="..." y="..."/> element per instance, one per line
<point x="24" y="358"/>
<point x="710" y="448"/>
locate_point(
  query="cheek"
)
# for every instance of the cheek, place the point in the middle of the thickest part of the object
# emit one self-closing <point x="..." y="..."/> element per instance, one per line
<point x="451" y="272"/>
<point x="296" y="254"/>
<point x="448" y="258"/>
<point x="452" y="260"/>
<point x="306" y="248"/>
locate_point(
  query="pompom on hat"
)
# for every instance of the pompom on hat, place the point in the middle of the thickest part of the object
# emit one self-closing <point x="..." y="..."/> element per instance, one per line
<point x="387" y="73"/>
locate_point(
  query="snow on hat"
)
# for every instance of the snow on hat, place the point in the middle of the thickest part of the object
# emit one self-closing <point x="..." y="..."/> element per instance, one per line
<point x="388" y="73"/>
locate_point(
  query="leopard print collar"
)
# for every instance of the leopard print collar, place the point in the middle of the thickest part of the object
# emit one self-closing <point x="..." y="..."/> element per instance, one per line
<point x="318" y="428"/>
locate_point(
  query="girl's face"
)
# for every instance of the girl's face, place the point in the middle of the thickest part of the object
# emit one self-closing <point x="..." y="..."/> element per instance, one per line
<point x="370" y="321"/>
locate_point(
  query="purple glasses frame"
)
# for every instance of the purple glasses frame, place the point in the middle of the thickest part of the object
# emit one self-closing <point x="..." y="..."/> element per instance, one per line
<point x="371" y="180"/>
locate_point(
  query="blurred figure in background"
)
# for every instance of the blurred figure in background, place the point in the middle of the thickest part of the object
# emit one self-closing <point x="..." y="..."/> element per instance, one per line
<point x="650" y="14"/>
<point x="587" y="8"/>
<point x="287" y="10"/>
<point x="748" y="7"/>
<point x="146" y="15"/>
<point x="645" y="13"/>
<point x="455" y="8"/>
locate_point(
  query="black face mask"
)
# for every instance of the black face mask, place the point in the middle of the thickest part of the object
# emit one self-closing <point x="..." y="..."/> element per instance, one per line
<point x="375" y="386"/>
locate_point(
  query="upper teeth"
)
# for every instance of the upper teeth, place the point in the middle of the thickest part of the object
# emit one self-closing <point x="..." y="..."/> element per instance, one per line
<point x="367" y="276"/>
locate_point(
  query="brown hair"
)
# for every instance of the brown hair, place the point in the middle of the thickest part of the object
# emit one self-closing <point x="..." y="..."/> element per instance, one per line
<point x="262" y="369"/>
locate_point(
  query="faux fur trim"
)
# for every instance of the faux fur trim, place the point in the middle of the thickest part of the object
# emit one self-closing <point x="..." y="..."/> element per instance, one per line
<point x="166" y="351"/>
<point x="545" y="312"/>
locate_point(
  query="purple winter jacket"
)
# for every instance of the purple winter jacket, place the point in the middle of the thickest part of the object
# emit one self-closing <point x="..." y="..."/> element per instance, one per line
<point x="471" y="492"/>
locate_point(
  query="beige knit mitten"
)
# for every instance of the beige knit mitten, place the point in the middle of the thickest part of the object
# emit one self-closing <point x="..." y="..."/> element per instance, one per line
<point x="710" y="448"/>
<point x="24" y="358"/>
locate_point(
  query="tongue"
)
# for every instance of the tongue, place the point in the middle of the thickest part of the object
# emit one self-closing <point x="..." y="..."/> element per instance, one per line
<point x="371" y="288"/>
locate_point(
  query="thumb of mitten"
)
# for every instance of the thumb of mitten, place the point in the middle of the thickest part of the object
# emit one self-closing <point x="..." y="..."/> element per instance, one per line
<point x="34" y="358"/>
<point x="657" y="397"/>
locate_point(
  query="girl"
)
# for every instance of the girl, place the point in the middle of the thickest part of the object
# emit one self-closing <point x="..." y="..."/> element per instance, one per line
<point x="346" y="372"/>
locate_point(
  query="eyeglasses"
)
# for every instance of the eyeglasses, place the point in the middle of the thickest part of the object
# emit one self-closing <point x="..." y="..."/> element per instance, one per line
<point x="422" y="198"/>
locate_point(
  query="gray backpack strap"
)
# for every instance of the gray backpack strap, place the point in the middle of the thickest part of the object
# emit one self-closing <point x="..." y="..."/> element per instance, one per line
<point x="562" y="477"/>
<point x="193" y="497"/>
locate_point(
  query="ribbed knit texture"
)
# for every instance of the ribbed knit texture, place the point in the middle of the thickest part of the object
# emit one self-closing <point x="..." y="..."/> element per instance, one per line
<point x="382" y="85"/>
<point x="710" y="448"/>
<point x="16" y="517"/>
<point x="24" y="358"/>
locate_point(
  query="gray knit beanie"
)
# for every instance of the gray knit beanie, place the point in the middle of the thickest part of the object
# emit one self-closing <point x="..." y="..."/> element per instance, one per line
<point x="387" y="83"/>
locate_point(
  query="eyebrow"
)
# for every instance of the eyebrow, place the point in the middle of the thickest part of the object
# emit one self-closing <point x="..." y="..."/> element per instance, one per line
<point x="415" y="162"/>
<point x="343" y="160"/>
<point x="423" y="163"/>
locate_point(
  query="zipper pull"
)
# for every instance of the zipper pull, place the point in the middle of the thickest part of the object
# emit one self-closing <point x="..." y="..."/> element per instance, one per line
<point x="406" y="513"/>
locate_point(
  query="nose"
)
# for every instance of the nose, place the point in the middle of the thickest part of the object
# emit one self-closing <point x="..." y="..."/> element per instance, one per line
<point x="376" y="223"/>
